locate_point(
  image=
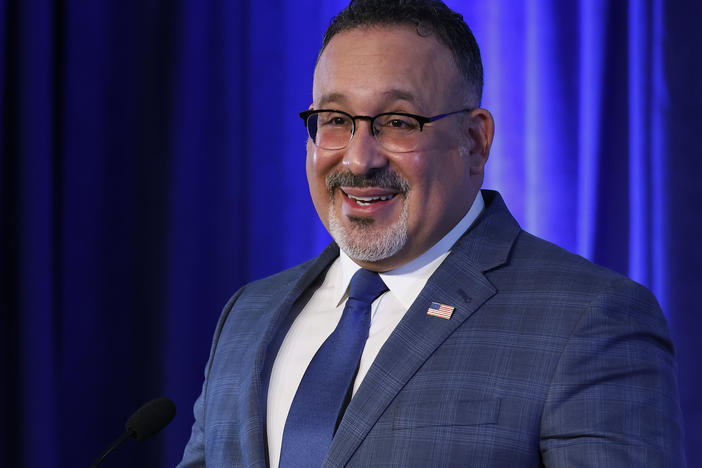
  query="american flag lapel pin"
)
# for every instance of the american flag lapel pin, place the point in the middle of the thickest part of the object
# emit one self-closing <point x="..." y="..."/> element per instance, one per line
<point x="440" y="310"/>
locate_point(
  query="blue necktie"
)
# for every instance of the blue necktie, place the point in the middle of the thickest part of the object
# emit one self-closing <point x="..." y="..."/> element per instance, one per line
<point x="322" y="395"/>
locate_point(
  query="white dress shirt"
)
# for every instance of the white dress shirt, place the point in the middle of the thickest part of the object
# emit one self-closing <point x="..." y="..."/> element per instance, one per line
<point x="321" y="314"/>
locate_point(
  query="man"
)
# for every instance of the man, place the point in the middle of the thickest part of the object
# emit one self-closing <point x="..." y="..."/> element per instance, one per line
<point x="481" y="346"/>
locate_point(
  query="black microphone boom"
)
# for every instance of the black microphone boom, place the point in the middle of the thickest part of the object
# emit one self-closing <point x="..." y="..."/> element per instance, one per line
<point x="145" y="422"/>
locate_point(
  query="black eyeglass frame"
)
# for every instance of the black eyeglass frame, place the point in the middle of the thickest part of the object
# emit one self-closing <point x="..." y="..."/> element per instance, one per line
<point x="422" y="120"/>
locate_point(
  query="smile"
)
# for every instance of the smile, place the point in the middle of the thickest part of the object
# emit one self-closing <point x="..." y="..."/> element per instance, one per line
<point x="366" y="197"/>
<point x="364" y="201"/>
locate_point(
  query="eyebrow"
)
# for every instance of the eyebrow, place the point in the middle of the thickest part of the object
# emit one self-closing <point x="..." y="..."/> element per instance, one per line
<point x="332" y="97"/>
<point x="390" y="96"/>
<point x="400" y="95"/>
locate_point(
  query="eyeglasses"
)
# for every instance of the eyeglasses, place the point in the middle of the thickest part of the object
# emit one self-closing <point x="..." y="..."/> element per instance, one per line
<point x="395" y="131"/>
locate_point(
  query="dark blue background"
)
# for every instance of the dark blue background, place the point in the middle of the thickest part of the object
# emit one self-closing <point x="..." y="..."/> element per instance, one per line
<point x="152" y="162"/>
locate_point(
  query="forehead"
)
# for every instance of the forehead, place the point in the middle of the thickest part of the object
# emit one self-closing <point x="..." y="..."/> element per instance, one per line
<point x="375" y="66"/>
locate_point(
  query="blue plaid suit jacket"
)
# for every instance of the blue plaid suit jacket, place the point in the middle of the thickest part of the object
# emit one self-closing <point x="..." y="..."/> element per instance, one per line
<point x="548" y="360"/>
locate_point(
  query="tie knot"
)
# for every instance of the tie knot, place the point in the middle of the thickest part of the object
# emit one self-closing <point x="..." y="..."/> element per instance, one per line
<point x="366" y="286"/>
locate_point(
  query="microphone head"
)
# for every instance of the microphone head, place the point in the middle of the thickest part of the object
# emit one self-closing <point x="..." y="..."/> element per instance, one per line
<point x="150" y="418"/>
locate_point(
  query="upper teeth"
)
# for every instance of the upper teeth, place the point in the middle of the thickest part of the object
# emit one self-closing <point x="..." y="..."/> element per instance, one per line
<point x="365" y="200"/>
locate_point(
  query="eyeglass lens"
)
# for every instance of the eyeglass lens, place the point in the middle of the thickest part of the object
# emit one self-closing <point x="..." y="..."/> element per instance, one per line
<point x="334" y="130"/>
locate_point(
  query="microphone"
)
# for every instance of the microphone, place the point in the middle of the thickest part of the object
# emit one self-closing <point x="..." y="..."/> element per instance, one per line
<point x="145" y="422"/>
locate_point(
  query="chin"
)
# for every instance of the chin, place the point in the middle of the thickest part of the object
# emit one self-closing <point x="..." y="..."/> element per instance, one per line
<point x="362" y="241"/>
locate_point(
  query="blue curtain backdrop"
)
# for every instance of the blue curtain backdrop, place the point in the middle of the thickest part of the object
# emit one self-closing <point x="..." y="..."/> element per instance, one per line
<point x="152" y="162"/>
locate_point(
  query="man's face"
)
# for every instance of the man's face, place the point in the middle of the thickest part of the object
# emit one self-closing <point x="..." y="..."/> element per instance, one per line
<point x="384" y="209"/>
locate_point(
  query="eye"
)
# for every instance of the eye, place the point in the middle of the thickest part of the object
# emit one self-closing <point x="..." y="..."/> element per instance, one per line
<point x="399" y="123"/>
<point x="329" y="119"/>
<point x="396" y="122"/>
<point x="338" y="121"/>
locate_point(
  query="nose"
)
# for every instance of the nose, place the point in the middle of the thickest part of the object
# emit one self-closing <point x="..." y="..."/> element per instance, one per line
<point x="363" y="154"/>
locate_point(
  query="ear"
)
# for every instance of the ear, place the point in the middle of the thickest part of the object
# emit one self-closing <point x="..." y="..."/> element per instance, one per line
<point x="481" y="129"/>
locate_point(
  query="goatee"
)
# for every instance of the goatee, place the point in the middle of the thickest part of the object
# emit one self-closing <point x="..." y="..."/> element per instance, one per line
<point x="362" y="240"/>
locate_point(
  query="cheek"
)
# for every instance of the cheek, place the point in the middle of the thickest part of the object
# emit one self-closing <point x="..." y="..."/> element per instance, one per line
<point x="436" y="178"/>
<point x="310" y="163"/>
<point x="315" y="175"/>
<point x="319" y="164"/>
<point x="418" y="170"/>
<point x="411" y="166"/>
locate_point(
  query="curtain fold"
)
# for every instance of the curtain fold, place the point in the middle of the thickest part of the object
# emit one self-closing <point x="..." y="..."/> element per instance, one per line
<point x="152" y="162"/>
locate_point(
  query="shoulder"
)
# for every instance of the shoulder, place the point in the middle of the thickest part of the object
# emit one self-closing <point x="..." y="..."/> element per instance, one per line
<point x="563" y="292"/>
<point x="611" y="362"/>
<point x="543" y="266"/>
<point x="614" y="363"/>
<point x="284" y="280"/>
<point x="260" y="297"/>
<point x="278" y="282"/>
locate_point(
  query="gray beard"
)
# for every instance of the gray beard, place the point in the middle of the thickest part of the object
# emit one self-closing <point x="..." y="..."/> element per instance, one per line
<point x="365" y="243"/>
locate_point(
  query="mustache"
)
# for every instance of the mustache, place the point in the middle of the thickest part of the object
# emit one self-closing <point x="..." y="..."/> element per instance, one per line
<point x="386" y="178"/>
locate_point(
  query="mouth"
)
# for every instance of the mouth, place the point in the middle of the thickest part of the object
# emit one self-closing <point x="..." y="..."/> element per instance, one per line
<point x="367" y="188"/>
<point x="367" y="196"/>
<point x="368" y="200"/>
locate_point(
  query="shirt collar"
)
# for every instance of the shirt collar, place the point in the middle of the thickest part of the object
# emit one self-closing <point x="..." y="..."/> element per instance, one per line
<point x="407" y="281"/>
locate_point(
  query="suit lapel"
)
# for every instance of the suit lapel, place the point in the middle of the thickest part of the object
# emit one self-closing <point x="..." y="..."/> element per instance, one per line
<point x="253" y="394"/>
<point x="459" y="282"/>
